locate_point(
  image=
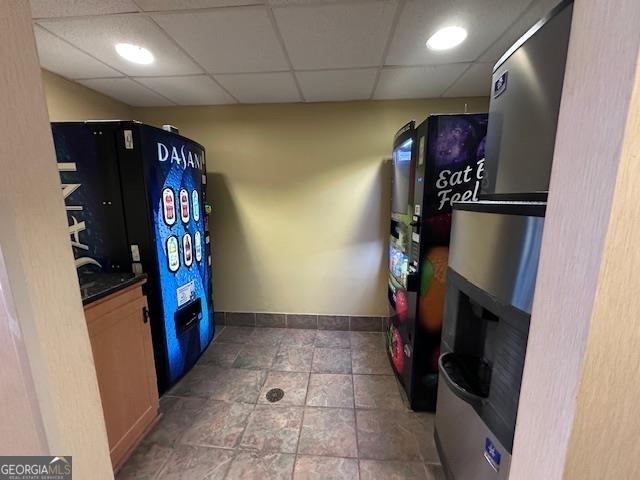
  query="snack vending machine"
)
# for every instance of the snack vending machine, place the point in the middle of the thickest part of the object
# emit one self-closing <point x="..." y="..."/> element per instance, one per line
<point x="135" y="197"/>
<point x="439" y="162"/>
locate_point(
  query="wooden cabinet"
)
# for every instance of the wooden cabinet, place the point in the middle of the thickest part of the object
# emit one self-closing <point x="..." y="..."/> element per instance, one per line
<point x="123" y="354"/>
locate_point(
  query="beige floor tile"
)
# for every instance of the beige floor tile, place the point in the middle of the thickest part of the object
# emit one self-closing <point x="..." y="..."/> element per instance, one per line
<point x="256" y="357"/>
<point x="273" y="428"/>
<point x="332" y="339"/>
<point x="218" y="424"/>
<point x="223" y="354"/>
<point x="395" y="470"/>
<point x="235" y="334"/>
<point x="294" y="385"/>
<point x="331" y="360"/>
<point x="197" y="463"/>
<point x="261" y="466"/>
<point x="377" y="392"/>
<point x="371" y="362"/>
<point x="386" y="435"/>
<point x="329" y="432"/>
<point x="292" y="358"/>
<point x="325" y="468"/>
<point x="330" y="390"/>
<point x="145" y="463"/>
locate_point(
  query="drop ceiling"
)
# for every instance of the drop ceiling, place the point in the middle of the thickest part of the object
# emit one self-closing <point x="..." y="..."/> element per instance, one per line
<point x="211" y="52"/>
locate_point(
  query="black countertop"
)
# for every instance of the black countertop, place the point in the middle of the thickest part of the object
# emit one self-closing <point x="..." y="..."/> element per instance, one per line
<point x="94" y="286"/>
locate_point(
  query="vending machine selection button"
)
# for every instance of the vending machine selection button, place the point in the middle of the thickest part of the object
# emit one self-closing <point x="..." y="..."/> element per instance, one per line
<point x="195" y="205"/>
<point x="187" y="249"/>
<point x="173" y="256"/>
<point x="169" y="206"/>
<point x="198" y="246"/>
<point x="184" y="205"/>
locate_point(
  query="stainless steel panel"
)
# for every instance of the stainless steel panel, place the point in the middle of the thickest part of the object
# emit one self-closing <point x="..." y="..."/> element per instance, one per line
<point x="523" y="118"/>
<point x="462" y="437"/>
<point x="498" y="253"/>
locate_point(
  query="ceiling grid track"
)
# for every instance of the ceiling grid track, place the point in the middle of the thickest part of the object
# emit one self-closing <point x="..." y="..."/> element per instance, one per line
<point x="462" y="78"/>
<point x="175" y="42"/>
<point x="517" y="19"/>
<point x="457" y="79"/>
<point x="385" y="52"/>
<point x="274" y="23"/>
<point x="123" y="75"/>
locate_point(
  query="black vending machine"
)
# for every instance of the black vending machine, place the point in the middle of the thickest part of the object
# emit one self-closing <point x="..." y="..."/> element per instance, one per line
<point x="135" y="200"/>
<point x="434" y="164"/>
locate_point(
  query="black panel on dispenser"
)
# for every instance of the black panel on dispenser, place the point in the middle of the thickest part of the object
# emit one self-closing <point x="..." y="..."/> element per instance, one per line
<point x="188" y="316"/>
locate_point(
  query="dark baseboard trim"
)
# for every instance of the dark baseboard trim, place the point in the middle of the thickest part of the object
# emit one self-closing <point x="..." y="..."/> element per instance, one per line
<point x="356" y="323"/>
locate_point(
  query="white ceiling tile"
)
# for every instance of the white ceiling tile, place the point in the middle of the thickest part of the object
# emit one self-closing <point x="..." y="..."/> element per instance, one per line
<point x="61" y="58"/>
<point x="261" y="87"/>
<point x="164" y="5"/>
<point x="68" y="8"/>
<point x="336" y="35"/>
<point x="227" y="40"/>
<point x="485" y="21"/>
<point x="99" y="35"/>
<point x="127" y="91"/>
<point x="194" y="90"/>
<point x="537" y="10"/>
<point x="476" y="82"/>
<point x="416" y="82"/>
<point x="337" y="85"/>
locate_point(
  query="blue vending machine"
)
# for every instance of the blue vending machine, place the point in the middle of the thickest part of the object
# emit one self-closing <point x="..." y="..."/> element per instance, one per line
<point x="135" y="197"/>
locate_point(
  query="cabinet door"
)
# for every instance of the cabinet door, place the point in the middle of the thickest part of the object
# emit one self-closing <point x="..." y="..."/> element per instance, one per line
<point x="123" y="355"/>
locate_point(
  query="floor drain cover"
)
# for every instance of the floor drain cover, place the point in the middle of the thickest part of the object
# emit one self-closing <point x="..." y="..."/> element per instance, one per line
<point x="275" y="394"/>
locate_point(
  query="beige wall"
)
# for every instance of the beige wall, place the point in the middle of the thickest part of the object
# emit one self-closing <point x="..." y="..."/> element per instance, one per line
<point x="300" y="193"/>
<point x="300" y="199"/>
<point x="282" y="174"/>
<point x="68" y="101"/>
<point x="577" y="415"/>
<point x="40" y="270"/>
<point x="607" y="419"/>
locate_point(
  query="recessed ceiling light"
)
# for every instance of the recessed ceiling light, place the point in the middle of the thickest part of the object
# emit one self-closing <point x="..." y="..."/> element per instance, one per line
<point x="447" y="38"/>
<point x="135" y="53"/>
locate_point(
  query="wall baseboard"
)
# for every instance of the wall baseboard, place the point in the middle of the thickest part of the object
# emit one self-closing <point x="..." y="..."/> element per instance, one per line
<point x="297" y="320"/>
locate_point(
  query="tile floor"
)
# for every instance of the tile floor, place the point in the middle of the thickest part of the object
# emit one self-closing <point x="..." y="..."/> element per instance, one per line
<point x="342" y="415"/>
